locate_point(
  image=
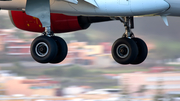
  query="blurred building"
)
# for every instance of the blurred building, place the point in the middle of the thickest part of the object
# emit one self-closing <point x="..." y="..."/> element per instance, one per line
<point x="150" y="83"/>
<point x="2" y="41"/>
<point x="17" y="47"/>
<point x="13" y="85"/>
<point x="106" y="47"/>
<point x="2" y="89"/>
<point x="4" y="33"/>
<point x="160" y="69"/>
<point x="83" y="54"/>
<point x="46" y="87"/>
<point x="5" y="75"/>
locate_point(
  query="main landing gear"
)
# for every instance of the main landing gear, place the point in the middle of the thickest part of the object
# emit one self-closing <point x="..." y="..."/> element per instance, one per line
<point x="129" y="49"/>
<point x="126" y="50"/>
<point x="48" y="48"/>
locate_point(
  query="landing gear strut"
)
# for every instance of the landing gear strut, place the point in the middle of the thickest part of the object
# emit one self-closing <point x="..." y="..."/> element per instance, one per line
<point x="48" y="48"/>
<point x="128" y="49"/>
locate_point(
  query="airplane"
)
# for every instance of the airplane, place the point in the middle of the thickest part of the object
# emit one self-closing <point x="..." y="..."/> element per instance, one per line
<point x="57" y="16"/>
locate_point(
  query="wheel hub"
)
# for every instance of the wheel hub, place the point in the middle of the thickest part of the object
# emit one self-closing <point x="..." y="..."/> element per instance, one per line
<point x="42" y="49"/>
<point x="122" y="51"/>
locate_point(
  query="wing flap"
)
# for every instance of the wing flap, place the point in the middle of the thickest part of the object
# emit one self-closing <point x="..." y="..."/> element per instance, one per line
<point x="92" y="2"/>
<point x="72" y="1"/>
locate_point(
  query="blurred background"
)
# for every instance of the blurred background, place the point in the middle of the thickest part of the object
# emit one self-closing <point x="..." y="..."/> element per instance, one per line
<point x="89" y="72"/>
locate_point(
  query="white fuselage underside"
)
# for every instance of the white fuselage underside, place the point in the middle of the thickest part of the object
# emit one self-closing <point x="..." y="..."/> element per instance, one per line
<point x="105" y="7"/>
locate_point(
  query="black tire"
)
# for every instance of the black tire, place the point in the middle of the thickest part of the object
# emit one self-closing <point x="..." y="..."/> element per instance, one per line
<point x="143" y="51"/>
<point x="43" y="49"/>
<point x="124" y="50"/>
<point x="62" y="50"/>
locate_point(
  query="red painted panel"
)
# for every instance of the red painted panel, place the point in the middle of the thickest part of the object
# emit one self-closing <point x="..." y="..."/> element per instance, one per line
<point x="59" y="22"/>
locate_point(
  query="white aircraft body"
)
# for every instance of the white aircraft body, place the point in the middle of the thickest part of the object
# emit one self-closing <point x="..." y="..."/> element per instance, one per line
<point x="55" y="16"/>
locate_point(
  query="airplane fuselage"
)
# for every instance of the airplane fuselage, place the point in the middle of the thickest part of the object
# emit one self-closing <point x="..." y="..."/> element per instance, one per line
<point x="106" y="7"/>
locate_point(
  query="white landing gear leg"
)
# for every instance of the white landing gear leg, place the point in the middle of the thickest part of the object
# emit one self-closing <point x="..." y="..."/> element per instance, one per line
<point x="46" y="48"/>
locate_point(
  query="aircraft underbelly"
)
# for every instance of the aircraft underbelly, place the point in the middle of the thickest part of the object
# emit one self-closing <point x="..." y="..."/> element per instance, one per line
<point x="113" y="7"/>
<point x="110" y="7"/>
<point x="174" y="9"/>
<point x="124" y="2"/>
<point x="101" y="8"/>
<point x="104" y="8"/>
<point x="62" y="7"/>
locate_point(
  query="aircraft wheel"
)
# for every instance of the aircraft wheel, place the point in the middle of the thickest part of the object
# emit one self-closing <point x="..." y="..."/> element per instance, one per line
<point x="124" y="50"/>
<point x="43" y="49"/>
<point x="143" y="51"/>
<point x="62" y="50"/>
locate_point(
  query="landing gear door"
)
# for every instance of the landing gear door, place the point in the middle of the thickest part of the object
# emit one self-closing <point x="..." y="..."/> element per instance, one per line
<point x="39" y="9"/>
<point x="124" y="2"/>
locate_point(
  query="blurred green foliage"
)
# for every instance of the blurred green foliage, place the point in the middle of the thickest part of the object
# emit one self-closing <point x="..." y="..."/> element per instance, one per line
<point x="55" y="72"/>
<point x="76" y="72"/>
